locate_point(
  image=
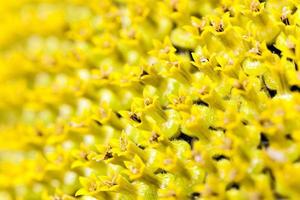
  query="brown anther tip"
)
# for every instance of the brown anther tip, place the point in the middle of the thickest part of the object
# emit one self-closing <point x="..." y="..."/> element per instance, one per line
<point x="179" y="100"/>
<point x="291" y="45"/>
<point x="225" y="8"/>
<point x="97" y="122"/>
<point x="255" y="50"/>
<point x="165" y="50"/>
<point x="200" y="26"/>
<point x="132" y="34"/>
<point x="135" y="118"/>
<point x="203" y="60"/>
<point x="148" y="101"/>
<point x="254" y="6"/>
<point x="174" y="5"/>
<point x="219" y="27"/>
<point x="266" y="123"/>
<point x="285" y="20"/>
<point x="39" y="133"/>
<point x="238" y="85"/>
<point x="84" y="155"/>
<point x="172" y="194"/>
<point x="105" y="76"/>
<point x="203" y="90"/>
<point x="175" y="64"/>
<point x="154" y="137"/>
<point x="144" y="73"/>
<point x="284" y="15"/>
<point x="110" y="183"/>
<point x="108" y="155"/>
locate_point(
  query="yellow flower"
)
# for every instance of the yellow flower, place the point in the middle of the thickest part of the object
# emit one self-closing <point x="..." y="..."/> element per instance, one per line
<point x="130" y="99"/>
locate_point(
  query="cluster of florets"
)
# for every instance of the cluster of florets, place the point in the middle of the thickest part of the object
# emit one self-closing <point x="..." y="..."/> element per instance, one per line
<point x="131" y="99"/>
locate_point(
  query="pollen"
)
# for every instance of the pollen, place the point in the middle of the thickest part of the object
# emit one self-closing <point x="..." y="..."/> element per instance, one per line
<point x="131" y="99"/>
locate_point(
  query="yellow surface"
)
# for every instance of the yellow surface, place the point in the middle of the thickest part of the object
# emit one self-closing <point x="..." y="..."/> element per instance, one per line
<point x="151" y="99"/>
